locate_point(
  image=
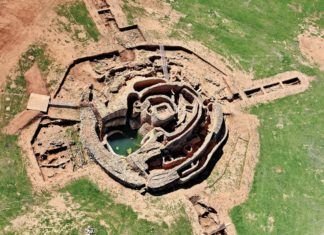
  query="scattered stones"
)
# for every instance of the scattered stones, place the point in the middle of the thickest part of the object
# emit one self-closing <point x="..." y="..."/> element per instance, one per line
<point x="82" y="35"/>
<point x="31" y="58"/>
<point x="89" y="230"/>
<point x="207" y="217"/>
<point x="13" y="85"/>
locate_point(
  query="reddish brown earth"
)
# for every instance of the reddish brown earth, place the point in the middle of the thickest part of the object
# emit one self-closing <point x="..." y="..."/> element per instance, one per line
<point x="35" y="82"/>
<point x="18" y="29"/>
<point x="312" y="48"/>
<point x="20" y="121"/>
<point x="127" y="55"/>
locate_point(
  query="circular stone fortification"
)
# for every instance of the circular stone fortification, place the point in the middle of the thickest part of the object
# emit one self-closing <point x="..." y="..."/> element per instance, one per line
<point x="181" y="129"/>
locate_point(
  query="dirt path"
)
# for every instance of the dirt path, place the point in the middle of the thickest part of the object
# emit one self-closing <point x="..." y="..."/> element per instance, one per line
<point x="18" y="29"/>
<point x="20" y="121"/>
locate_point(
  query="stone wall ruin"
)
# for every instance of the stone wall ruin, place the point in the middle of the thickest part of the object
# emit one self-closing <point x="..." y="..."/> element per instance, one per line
<point x="184" y="126"/>
<point x="172" y="97"/>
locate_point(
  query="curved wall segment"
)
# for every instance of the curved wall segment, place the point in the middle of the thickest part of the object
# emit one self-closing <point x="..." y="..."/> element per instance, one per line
<point x="181" y="127"/>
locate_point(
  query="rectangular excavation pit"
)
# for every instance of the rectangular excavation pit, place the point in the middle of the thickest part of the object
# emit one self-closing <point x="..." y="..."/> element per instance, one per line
<point x="236" y="97"/>
<point x="291" y="82"/>
<point x="56" y="147"/>
<point x="189" y="108"/>
<point x="103" y="11"/>
<point x="107" y="18"/>
<point x="106" y="13"/>
<point x="253" y="92"/>
<point x="100" y="4"/>
<point x="111" y="24"/>
<point x="132" y="34"/>
<point x="162" y="108"/>
<point x="272" y="87"/>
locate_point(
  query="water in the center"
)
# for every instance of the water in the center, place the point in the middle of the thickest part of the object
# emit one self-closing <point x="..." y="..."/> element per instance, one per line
<point x="125" y="144"/>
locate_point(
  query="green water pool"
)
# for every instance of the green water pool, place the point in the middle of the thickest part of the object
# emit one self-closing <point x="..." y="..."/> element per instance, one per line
<point x="125" y="144"/>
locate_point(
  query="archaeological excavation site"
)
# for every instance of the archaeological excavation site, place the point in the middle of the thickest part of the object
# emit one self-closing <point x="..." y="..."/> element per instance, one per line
<point x="151" y="116"/>
<point x="143" y="118"/>
<point x="158" y="117"/>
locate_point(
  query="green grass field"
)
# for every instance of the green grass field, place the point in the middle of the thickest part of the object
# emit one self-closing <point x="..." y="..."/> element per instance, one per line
<point x="77" y="14"/>
<point x="88" y="207"/>
<point x="15" y="188"/>
<point x="288" y="184"/>
<point x="258" y="36"/>
<point x="14" y="185"/>
<point x="99" y="208"/>
<point x="131" y="11"/>
<point x="287" y="196"/>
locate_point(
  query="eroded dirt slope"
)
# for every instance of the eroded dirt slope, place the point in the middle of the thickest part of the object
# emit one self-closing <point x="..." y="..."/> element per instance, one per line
<point x="18" y="28"/>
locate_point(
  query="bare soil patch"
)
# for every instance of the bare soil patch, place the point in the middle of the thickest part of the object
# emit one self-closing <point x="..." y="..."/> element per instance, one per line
<point x="35" y="82"/>
<point x="20" y="121"/>
<point x="18" y="29"/>
<point x="312" y="48"/>
<point x="127" y="55"/>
